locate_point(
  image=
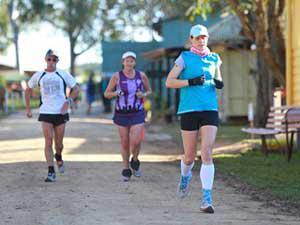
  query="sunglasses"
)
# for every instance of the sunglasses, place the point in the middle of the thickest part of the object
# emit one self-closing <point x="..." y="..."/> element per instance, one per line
<point x="52" y="59"/>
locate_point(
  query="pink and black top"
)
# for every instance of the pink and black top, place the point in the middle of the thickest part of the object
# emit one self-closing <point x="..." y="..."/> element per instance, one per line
<point x="128" y="102"/>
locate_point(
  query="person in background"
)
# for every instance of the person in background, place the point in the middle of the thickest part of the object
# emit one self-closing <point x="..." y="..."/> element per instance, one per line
<point x="90" y="92"/>
<point x="2" y="97"/>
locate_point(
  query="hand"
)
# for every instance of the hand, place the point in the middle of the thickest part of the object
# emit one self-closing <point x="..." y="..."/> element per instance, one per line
<point x="119" y="93"/>
<point x="28" y="113"/>
<point x="219" y="84"/>
<point x="197" y="81"/>
<point x="140" y="94"/>
<point x="64" y="108"/>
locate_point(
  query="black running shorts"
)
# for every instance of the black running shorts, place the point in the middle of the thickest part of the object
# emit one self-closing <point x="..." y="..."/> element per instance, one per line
<point x="55" y="119"/>
<point x="194" y="120"/>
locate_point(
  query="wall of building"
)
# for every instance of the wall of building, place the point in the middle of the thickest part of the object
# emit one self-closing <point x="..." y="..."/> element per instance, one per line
<point x="293" y="53"/>
<point x="239" y="84"/>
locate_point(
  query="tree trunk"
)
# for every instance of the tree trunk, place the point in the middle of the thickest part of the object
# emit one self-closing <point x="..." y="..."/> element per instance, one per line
<point x="264" y="91"/>
<point x="263" y="27"/>
<point x="15" y="30"/>
<point x="72" y="57"/>
<point x="16" y="43"/>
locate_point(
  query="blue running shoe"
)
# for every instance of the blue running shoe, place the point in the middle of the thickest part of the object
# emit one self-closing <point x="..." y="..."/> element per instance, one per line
<point x="61" y="166"/>
<point x="51" y="177"/>
<point x="206" y="204"/>
<point x="135" y="166"/>
<point x="183" y="185"/>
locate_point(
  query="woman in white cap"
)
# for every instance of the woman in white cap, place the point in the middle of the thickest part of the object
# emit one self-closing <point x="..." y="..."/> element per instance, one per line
<point x="197" y="74"/>
<point x="130" y="87"/>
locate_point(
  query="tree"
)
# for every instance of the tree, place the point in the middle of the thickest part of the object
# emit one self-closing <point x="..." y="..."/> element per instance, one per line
<point x="19" y="14"/>
<point x="4" y="40"/>
<point x="261" y="23"/>
<point x="263" y="26"/>
<point x="145" y="13"/>
<point x="84" y="22"/>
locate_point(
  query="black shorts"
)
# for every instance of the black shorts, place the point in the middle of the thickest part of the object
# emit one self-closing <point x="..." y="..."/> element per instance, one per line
<point x="194" y="120"/>
<point x="55" y="119"/>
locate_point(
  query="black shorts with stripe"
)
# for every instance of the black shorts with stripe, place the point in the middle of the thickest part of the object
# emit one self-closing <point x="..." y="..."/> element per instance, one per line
<point x="55" y="119"/>
<point x="194" y="120"/>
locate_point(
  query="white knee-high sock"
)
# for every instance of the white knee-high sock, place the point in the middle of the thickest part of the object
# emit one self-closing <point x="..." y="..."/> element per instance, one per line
<point x="185" y="169"/>
<point x="207" y="173"/>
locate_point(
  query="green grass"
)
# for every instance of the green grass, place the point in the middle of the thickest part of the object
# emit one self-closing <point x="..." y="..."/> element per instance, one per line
<point x="231" y="133"/>
<point x="228" y="133"/>
<point x="272" y="173"/>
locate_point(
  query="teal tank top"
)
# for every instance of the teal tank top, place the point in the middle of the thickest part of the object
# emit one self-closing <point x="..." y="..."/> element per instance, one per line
<point x="198" y="98"/>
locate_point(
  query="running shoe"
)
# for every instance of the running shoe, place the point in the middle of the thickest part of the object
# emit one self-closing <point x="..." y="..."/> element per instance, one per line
<point x="135" y="166"/>
<point x="126" y="174"/>
<point x="183" y="185"/>
<point x="51" y="177"/>
<point x="61" y="166"/>
<point x="206" y="207"/>
<point x="206" y="204"/>
<point x="60" y="163"/>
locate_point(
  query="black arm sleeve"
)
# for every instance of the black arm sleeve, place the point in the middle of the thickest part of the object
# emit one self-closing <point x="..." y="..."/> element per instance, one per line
<point x="219" y="84"/>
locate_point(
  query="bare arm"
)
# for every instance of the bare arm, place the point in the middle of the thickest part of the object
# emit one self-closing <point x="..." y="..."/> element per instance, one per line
<point x="110" y="90"/>
<point x="147" y="86"/>
<point x="218" y="79"/>
<point x="218" y="74"/>
<point x="74" y="92"/>
<point x="172" y="79"/>
<point x="28" y="92"/>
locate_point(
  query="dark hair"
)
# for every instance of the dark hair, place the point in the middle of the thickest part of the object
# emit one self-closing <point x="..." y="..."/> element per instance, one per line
<point x="50" y="52"/>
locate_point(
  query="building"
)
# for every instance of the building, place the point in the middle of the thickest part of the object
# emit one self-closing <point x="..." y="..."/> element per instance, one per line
<point x="293" y="53"/>
<point x="157" y="59"/>
<point x="238" y="69"/>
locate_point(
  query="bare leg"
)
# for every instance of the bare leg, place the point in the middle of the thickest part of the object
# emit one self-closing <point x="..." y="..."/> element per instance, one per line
<point x="59" y="132"/>
<point x="48" y="135"/>
<point x="208" y="137"/>
<point x="136" y="137"/>
<point x="189" y="139"/>
<point x="125" y="151"/>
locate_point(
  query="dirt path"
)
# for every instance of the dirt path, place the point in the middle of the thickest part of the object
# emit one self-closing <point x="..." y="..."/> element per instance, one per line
<point x="91" y="192"/>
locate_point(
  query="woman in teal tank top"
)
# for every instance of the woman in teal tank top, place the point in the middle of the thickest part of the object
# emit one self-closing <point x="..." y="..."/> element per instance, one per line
<point x="197" y="74"/>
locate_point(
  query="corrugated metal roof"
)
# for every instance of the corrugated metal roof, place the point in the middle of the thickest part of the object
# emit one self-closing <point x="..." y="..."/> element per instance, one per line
<point x="223" y="28"/>
<point x="227" y="29"/>
<point x="6" y="67"/>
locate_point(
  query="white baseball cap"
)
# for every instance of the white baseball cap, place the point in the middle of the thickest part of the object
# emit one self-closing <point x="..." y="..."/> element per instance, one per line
<point x="51" y="52"/>
<point x="129" y="54"/>
<point x="198" y="30"/>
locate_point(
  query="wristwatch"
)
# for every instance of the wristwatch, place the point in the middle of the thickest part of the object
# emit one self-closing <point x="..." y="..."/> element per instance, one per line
<point x="70" y="100"/>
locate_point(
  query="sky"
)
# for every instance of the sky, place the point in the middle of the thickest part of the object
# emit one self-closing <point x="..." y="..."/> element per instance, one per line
<point x="34" y="44"/>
